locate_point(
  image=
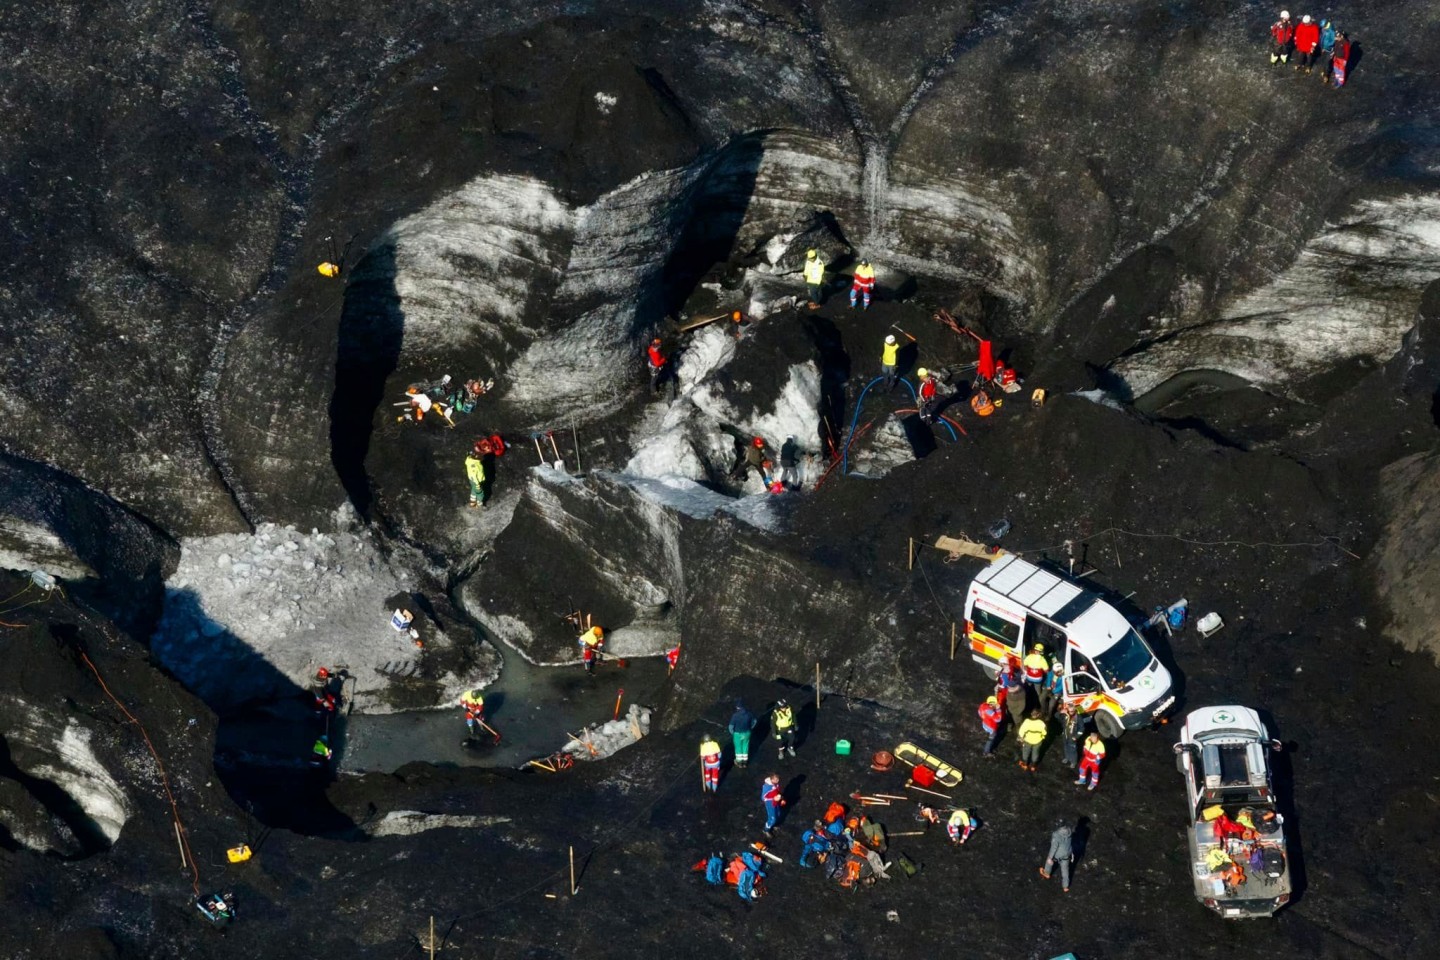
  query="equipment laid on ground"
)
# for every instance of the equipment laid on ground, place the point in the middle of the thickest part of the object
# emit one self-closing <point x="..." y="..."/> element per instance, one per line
<point x="1238" y="854"/>
<point x="553" y="763"/>
<point x="928" y="766"/>
<point x="238" y="854"/>
<point x="1013" y="605"/>
<point x="842" y="748"/>
<point x="218" y="908"/>
<point x="1209" y="624"/>
<point x="882" y="761"/>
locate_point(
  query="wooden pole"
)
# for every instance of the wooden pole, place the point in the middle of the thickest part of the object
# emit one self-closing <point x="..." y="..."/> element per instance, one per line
<point x="618" y="697"/>
<point x="910" y="555"/>
<point x="911" y="786"/>
<point x="952" y="640"/>
<point x="180" y="844"/>
<point x="1115" y="544"/>
<point x="432" y="938"/>
<point x="817" y="684"/>
<point x="573" y="889"/>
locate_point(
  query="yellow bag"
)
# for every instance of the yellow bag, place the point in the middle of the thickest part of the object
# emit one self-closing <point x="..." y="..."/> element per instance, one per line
<point x="238" y="854"/>
<point x="1212" y="813"/>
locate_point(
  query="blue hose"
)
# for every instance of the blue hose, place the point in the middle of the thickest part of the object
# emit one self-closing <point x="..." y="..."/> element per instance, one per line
<point x="859" y="404"/>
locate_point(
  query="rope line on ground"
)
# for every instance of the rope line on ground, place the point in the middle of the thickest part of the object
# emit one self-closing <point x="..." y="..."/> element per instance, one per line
<point x="164" y="777"/>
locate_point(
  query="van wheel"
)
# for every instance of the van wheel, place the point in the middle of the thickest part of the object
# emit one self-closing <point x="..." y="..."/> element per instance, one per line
<point x="1107" y="726"/>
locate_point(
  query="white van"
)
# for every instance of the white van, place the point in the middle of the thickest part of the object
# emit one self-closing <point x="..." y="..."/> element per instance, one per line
<point x="1109" y="668"/>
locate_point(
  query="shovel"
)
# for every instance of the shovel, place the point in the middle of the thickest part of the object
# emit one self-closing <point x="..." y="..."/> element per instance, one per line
<point x="559" y="463"/>
<point x="538" y="452"/>
<point x="491" y="729"/>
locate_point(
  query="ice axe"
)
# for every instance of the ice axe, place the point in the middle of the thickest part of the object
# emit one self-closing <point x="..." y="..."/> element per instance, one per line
<point x="908" y="336"/>
<point x="559" y="463"/>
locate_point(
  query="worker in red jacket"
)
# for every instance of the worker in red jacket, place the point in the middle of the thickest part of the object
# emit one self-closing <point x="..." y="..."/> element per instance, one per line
<point x="1307" y="41"/>
<point x="1092" y="754"/>
<point x="656" y="362"/>
<point x="927" y="395"/>
<point x="1340" y="60"/>
<point x="992" y="715"/>
<point x="1282" y="33"/>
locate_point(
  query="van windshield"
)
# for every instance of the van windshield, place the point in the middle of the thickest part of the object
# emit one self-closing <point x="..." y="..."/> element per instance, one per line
<point x="1123" y="661"/>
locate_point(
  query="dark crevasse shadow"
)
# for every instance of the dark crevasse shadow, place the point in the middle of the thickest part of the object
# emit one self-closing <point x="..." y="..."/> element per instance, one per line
<point x="1282" y="776"/>
<point x="61" y="807"/>
<point x="835" y="366"/>
<point x="372" y="331"/>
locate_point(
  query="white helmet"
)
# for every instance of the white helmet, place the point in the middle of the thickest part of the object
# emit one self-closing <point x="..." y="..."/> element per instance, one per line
<point x="1305" y="19"/>
<point x="1284" y="14"/>
<point x="922" y="373"/>
<point x="890" y="339"/>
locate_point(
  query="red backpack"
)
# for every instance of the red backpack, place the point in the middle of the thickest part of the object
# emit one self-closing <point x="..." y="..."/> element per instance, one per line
<point x="834" y="812"/>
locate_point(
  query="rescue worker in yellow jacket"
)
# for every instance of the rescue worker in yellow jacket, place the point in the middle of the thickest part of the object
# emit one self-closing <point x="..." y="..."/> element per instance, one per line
<point x="475" y="473"/>
<point x="889" y="356"/>
<point x="782" y="721"/>
<point x="814" y="277"/>
<point x="709" y="765"/>
<point x="1032" y="734"/>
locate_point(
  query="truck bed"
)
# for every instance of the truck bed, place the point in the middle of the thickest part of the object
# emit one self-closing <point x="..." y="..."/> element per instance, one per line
<point x="1255" y="896"/>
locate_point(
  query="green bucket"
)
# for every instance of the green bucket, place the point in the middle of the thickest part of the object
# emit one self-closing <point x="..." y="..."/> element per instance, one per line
<point x="842" y="748"/>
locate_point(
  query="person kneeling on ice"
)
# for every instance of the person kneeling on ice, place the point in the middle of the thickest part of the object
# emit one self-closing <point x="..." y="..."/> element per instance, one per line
<point x="960" y="826"/>
<point x="817" y="845"/>
<point x="590" y="643"/>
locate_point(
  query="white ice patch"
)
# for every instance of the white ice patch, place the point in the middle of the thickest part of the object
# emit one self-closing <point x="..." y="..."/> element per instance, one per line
<point x="246" y="615"/>
<point x="1100" y="397"/>
<point x="1351" y="293"/>
<point x="405" y="823"/>
<point x="605" y="102"/>
<point x="29" y="546"/>
<point x="80" y="774"/>
<point x="466" y="264"/>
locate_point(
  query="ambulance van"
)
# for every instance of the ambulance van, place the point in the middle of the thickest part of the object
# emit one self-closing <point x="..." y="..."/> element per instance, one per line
<point x="1110" y="670"/>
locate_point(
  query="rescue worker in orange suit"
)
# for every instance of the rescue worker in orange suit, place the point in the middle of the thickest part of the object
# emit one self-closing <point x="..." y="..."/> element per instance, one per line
<point x="590" y="642"/>
<point x="863" y="285"/>
<point x="656" y="361"/>
<point x="1282" y="32"/>
<point x="927" y="395"/>
<point x="992" y="717"/>
<point x="1092" y="754"/>
<point x="709" y="765"/>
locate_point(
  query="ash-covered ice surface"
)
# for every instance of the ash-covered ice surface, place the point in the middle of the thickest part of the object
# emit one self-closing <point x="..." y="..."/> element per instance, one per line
<point x="1222" y="273"/>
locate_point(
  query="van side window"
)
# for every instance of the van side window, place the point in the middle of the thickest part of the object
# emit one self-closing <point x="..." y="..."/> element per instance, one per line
<point x="1037" y="631"/>
<point x="996" y="627"/>
<point x="1082" y="674"/>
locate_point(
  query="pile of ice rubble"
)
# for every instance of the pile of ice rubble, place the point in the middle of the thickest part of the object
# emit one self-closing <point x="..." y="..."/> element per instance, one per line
<point x="599" y="742"/>
<point x="252" y="616"/>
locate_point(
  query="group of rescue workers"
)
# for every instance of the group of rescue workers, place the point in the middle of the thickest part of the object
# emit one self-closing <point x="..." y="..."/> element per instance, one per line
<point x="1312" y="44"/>
<point x="1032" y="693"/>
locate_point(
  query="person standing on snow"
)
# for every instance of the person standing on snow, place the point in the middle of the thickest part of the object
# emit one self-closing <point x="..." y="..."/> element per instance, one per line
<point x="992" y="718"/>
<point x="1327" y="49"/>
<point x="789" y="464"/>
<point x="1093" y="754"/>
<point x="590" y="642"/>
<point x="1052" y="689"/>
<point x="1282" y="33"/>
<point x="754" y="457"/>
<point x="1307" y="40"/>
<point x="782" y="722"/>
<point x="814" y="277"/>
<point x="1032" y="734"/>
<point x="927" y="395"/>
<point x="889" y="356"/>
<point x="656" y="361"/>
<point x="709" y="765"/>
<point x="864" y="283"/>
<point x="774" y="801"/>
<point x="475" y="473"/>
<point x="742" y="722"/>
<point x="1061" y="852"/>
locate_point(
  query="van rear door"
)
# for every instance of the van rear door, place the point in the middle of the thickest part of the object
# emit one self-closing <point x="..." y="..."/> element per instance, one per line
<point x="993" y="631"/>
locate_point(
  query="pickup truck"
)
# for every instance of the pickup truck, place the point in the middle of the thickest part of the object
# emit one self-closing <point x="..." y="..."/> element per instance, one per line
<point x="1238" y="859"/>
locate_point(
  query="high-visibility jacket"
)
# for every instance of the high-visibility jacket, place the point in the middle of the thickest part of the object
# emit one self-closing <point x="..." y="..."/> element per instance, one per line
<point x="814" y="271"/>
<point x="1307" y="37"/>
<point x="864" y="279"/>
<point x="889" y="353"/>
<point x="591" y="638"/>
<point x="472" y="698"/>
<point x="710" y="753"/>
<point x="475" y="470"/>
<point x="927" y="389"/>
<point x="1036" y="666"/>
<point x="321" y="749"/>
<point x="784" y="718"/>
<point x="657" y="359"/>
<point x="1033" y="732"/>
<point x="959" y="822"/>
<point x="990" y="716"/>
<point x="1282" y="31"/>
<point x="1094" y="750"/>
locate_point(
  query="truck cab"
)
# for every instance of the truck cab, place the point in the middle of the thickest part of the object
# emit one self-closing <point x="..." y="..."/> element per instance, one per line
<point x="1110" y="671"/>
<point x="1238" y="860"/>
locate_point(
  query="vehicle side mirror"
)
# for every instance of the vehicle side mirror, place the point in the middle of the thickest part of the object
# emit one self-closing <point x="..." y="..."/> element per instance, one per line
<point x="1277" y="746"/>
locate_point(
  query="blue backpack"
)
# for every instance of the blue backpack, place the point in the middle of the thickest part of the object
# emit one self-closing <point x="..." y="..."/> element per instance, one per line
<point x="715" y="869"/>
<point x="746" y="887"/>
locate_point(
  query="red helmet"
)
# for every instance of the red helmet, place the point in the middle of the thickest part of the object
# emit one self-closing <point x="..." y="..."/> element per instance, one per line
<point x="758" y="442"/>
<point x="322" y="673"/>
